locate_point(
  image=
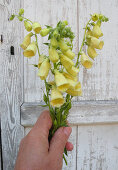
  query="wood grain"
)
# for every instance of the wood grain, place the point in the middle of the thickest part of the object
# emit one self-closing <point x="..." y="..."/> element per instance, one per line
<point x="94" y="112"/>
<point x="97" y="147"/>
<point x="11" y="84"/>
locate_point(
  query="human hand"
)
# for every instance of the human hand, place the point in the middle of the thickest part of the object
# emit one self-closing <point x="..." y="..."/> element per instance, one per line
<point x="36" y="153"/>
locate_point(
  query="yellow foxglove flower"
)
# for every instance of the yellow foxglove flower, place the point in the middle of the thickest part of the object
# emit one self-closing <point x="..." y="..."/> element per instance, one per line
<point x="95" y="17"/>
<point x="41" y="59"/>
<point x="78" y="86"/>
<point x="85" y="61"/>
<point x="28" y="26"/>
<point x="66" y="62"/>
<point x="75" y="92"/>
<point x="30" y="50"/>
<point x="96" y="32"/>
<point x="69" y="54"/>
<point x="61" y="82"/>
<point x="53" y="54"/>
<point x="96" y="43"/>
<point x="44" y="69"/>
<point x="91" y="52"/>
<point x="89" y="33"/>
<point x="54" y="42"/>
<point x="69" y="76"/>
<point x="72" y="84"/>
<point x="57" y="99"/>
<point x="73" y="71"/>
<point x="36" y="27"/>
<point x="44" y="32"/>
<point x="63" y="46"/>
<point x="26" y="42"/>
<point x="52" y="83"/>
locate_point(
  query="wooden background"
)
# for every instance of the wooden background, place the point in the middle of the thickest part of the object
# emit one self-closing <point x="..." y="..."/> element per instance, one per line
<point x="94" y="117"/>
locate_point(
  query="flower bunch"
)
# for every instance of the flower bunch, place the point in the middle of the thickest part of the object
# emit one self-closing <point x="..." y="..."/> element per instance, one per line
<point x="59" y="62"/>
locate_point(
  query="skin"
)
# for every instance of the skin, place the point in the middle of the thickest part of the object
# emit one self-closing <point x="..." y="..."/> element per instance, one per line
<point x="36" y="153"/>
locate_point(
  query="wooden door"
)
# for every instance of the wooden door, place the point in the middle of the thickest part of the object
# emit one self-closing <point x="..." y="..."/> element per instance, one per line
<point x="94" y="116"/>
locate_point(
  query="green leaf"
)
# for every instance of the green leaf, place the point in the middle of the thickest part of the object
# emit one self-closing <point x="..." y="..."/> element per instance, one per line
<point x="45" y="98"/>
<point x="47" y="44"/>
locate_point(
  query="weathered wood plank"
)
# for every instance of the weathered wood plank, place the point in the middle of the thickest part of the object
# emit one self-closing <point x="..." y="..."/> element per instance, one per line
<point x="46" y="12"/>
<point x="97" y="147"/>
<point x="83" y="112"/>
<point x="101" y="82"/>
<point x="11" y="84"/>
<point x="71" y="159"/>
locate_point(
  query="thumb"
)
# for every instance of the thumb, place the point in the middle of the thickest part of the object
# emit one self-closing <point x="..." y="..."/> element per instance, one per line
<point x="59" y="141"/>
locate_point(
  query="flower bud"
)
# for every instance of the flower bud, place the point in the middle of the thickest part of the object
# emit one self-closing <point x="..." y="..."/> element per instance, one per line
<point x="65" y="22"/>
<point x="26" y="42"/>
<point x="69" y="54"/>
<point x="96" y="32"/>
<point x="44" y="69"/>
<point x="21" y="11"/>
<point x="63" y="46"/>
<point x="20" y="18"/>
<point x="53" y="55"/>
<point x="85" y="61"/>
<point x="36" y="27"/>
<point x="30" y="50"/>
<point x="89" y="32"/>
<point x="91" y="52"/>
<point x="69" y="76"/>
<point x="44" y="32"/>
<point x="73" y="71"/>
<point x="41" y="59"/>
<point x="28" y="26"/>
<point x="96" y="43"/>
<point x="61" y="82"/>
<point x="95" y="17"/>
<point x="54" y="42"/>
<point x="12" y="17"/>
<point x="66" y="62"/>
<point x="57" y="99"/>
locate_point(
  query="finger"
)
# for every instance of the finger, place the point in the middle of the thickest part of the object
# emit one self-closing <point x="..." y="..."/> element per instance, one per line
<point x="59" y="141"/>
<point x="43" y="124"/>
<point x="69" y="146"/>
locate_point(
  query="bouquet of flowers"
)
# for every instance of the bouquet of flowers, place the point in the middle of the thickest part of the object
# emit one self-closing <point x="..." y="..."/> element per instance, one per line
<point x="65" y="85"/>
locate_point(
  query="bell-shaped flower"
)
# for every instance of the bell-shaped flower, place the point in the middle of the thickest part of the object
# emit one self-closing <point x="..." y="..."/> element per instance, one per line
<point x="30" y="50"/>
<point x="26" y="42"/>
<point x="28" y="26"/>
<point x="63" y="46"/>
<point x="41" y="59"/>
<point x="44" y="69"/>
<point x="91" y="52"/>
<point x="44" y="32"/>
<point x="57" y="99"/>
<point x="85" y="61"/>
<point x="72" y="83"/>
<point x="36" y="27"/>
<point x="54" y="42"/>
<point x="53" y="55"/>
<point x="96" y="43"/>
<point x="69" y="76"/>
<point x="77" y="91"/>
<point x="73" y="71"/>
<point x="61" y="82"/>
<point x="96" y="32"/>
<point x="69" y="54"/>
<point x="66" y="62"/>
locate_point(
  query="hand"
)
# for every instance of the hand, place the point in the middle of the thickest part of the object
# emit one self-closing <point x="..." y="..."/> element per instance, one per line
<point x="36" y="153"/>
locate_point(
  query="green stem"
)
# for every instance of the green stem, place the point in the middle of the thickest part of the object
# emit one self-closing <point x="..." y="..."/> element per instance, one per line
<point x="83" y="42"/>
<point x="25" y="18"/>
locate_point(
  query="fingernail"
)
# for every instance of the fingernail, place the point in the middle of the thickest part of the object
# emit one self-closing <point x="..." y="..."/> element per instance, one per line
<point x="67" y="131"/>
